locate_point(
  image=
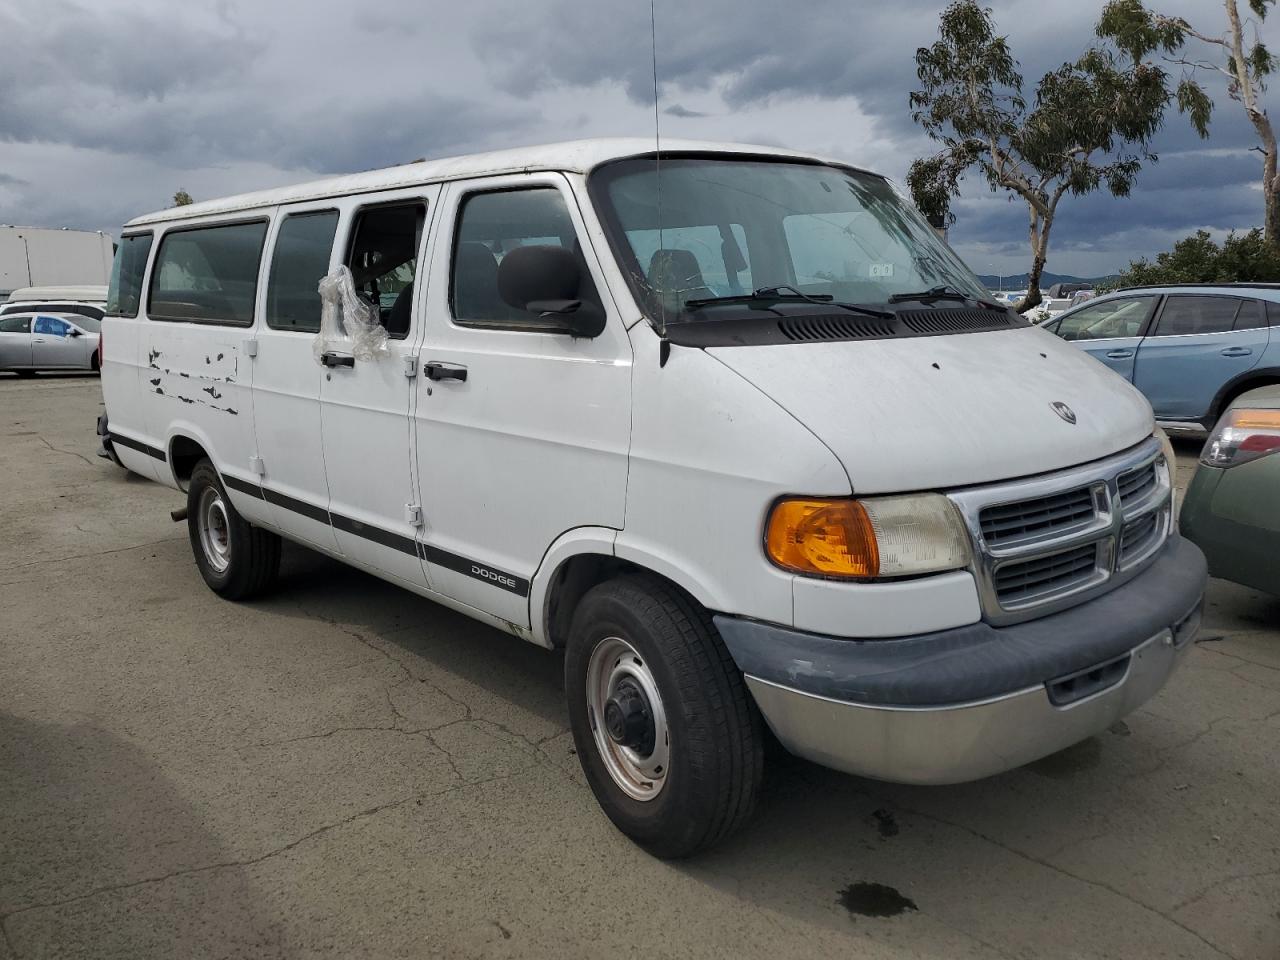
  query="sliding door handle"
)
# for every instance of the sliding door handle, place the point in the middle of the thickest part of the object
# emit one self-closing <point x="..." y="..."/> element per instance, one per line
<point x="435" y="370"/>
<point x="337" y="360"/>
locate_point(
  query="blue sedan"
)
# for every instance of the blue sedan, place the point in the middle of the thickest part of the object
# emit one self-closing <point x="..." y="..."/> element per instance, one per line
<point x="1191" y="349"/>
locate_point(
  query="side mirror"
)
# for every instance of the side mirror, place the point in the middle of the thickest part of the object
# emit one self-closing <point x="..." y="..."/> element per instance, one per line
<point x="73" y="332"/>
<point x="548" y="280"/>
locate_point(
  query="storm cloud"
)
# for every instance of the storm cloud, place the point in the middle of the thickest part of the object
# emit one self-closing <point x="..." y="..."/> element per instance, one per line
<point x="111" y="106"/>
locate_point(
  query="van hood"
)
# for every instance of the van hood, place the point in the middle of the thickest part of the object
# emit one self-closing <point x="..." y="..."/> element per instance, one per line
<point x="930" y="413"/>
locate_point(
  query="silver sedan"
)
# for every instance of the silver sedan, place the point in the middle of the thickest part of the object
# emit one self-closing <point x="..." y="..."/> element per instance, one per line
<point x="48" y="341"/>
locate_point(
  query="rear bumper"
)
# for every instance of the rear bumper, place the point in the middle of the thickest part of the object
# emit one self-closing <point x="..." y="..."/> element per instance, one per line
<point x="967" y="703"/>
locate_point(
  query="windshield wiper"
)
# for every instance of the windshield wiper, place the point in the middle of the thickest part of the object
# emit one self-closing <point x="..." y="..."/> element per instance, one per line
<point x="942" y="292"/>
<point x="788" y="294"/>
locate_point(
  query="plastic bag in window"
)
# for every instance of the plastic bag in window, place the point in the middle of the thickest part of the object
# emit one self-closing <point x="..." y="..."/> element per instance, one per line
<point x="346" y="321"/>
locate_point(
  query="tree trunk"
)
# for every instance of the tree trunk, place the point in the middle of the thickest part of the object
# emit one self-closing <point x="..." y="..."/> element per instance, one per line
<point x="1247" y="95"/>
<point x="1271" y="199"/>
<point x="1039" y="248"/>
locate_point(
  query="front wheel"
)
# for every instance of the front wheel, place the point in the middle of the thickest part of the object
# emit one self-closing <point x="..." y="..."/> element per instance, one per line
<point x="665" y="729"/>
<point x="237" y="560"/>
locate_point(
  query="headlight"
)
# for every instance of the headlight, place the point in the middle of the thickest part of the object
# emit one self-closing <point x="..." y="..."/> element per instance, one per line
<point x="1240" y="436"/>
<point x="1171" y="467"/>
<point x="865" y="539"/>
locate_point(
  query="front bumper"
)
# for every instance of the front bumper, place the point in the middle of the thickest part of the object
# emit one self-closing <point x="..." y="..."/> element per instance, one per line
<point x="967" y="703"/>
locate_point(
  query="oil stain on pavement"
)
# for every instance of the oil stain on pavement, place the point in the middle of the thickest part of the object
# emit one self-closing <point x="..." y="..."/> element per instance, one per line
<point x="874" y="900"/>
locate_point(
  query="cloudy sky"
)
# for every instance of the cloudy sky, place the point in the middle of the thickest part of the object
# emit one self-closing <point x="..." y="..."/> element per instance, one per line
<point x="110" y="106"/>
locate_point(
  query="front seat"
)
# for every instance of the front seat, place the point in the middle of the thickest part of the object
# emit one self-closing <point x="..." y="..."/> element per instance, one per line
<point x="475" y="284"/>
<point x="675" y="276"/>
<point x="401" y="312"/>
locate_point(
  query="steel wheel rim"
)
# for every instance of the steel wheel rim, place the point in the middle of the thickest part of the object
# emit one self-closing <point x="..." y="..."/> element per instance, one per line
<point x="640" y="777"/>
<point x="215" y="529"/>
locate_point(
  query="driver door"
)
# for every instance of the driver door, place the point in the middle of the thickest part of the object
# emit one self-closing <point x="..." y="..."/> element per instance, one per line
<point x="53" y="345"/>
<point x="1109" y="331"/>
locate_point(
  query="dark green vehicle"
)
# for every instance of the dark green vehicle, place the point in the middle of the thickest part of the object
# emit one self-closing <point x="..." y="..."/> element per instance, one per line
<point x="1232" y="508"/>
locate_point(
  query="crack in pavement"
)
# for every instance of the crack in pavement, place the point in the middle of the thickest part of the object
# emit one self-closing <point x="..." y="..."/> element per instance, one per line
<point x="1097" y="884"/>
<point x="69" y="453"/>
<point x="254" y="861"/>
<point x="1236" y="656"/>
<point x="90" y="556"/>
<point x="1222" y="881"/>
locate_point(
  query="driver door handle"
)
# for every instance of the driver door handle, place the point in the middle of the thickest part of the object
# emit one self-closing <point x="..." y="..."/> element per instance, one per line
<point x="1119" y="354"/>
<point x="337" y="360"/>
<point x="435" y="370"/>
<point x="1236" y="352"/>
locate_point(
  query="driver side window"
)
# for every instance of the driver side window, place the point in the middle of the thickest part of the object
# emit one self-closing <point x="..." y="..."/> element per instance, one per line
<point x="51" y="326"/>
<point x="1110" y="319"/>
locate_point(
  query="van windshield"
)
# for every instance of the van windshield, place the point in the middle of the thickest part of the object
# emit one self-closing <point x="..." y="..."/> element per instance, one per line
<point x="728" y="227"/>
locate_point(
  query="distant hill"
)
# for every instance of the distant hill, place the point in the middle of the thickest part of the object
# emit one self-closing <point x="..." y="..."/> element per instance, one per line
<point x="1018" y="281"/>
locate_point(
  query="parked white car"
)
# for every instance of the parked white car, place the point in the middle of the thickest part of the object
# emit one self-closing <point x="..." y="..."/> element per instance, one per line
<point x="764" y="452"/>
<point x="30" y="342"/>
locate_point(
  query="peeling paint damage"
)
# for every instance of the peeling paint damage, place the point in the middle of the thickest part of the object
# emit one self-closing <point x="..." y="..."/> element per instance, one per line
<point x="220" y="369"/>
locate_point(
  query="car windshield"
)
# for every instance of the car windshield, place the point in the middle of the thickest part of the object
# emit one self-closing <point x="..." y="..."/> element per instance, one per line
<point x="697" y="228"/>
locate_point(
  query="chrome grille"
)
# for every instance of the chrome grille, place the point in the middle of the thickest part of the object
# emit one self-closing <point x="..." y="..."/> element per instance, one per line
<point x="1027" y="581"/>
<point x="1136" y="484"/>
<point x="1049" y="542"/>
<point x="1014" y="522"/>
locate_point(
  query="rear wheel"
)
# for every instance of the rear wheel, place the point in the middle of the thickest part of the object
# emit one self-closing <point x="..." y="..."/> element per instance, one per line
<point x="665" y="729"/>
<point x="237" y="560"/>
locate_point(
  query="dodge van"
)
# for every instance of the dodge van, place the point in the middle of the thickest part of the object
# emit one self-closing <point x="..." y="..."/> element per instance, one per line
<point x="730" y="426"/>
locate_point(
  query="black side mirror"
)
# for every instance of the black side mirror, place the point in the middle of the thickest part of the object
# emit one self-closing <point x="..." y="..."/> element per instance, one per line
<point x="73" y="332"/>
<point x="548" y="280"/>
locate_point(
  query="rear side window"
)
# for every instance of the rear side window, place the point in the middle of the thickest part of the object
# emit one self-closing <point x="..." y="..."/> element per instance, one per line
<point x="490" y="225"/>
<point x="1250" y="316"/>
<point x="1187" y="315"/>
<point x="15" y="325"/>
<point x="298" y="264"/>
<point x="124" y="295"/>
<point x="208" y="274"/>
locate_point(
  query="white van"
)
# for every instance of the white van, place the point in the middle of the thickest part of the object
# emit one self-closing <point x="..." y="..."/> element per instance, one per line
<point x="733" y="429"/>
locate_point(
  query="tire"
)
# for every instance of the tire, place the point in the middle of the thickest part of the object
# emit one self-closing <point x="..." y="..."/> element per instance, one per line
<point x="706" y="786"/>
<point x="237" y="560"/>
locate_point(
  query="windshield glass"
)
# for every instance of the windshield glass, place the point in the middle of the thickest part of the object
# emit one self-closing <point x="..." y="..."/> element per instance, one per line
<point x="731" y="226"/>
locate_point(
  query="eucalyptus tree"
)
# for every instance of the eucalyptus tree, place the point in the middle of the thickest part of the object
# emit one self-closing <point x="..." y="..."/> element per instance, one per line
<point x="1087" y="126"/>
<point x="1243" y="62"/>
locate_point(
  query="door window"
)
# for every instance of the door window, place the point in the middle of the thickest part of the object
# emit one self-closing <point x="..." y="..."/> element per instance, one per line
<point x="490" y="225"/>
<point x="298" y="264"/>
<point x="52" y="326"/>
<point x="384" y="261"/>
<point x="1189" y="315"/>
<point x="1111" y="319"/>
<point x="15" y="325"/>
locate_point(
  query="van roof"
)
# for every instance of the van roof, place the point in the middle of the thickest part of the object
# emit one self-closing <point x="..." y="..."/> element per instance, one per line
<point x="574" y="156"/>
<point x="83" y="293"/>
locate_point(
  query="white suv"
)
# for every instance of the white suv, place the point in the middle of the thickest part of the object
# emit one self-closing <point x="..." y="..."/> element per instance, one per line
<point x="735" y="429"/>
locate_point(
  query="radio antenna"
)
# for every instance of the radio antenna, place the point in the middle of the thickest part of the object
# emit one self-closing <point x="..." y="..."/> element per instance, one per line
<point x="657" y="164"/>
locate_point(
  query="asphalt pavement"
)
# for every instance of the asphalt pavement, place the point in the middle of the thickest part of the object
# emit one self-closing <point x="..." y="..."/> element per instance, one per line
<point x="346" y="770"/>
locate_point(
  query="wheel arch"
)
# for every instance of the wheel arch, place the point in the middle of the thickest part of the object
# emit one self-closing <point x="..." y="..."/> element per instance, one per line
<point x="578" y="561"/>
<point x="184" y="448"/>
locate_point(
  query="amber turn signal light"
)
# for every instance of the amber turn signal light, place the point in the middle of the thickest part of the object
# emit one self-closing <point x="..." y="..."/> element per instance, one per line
<point x="831" y="538"/>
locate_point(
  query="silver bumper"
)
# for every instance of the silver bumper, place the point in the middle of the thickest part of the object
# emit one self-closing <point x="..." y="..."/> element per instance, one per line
<point x="965" y="741"/>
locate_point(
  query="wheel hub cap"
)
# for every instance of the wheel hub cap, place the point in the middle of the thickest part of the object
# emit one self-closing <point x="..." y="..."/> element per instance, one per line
<point x="628" y="718"/>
